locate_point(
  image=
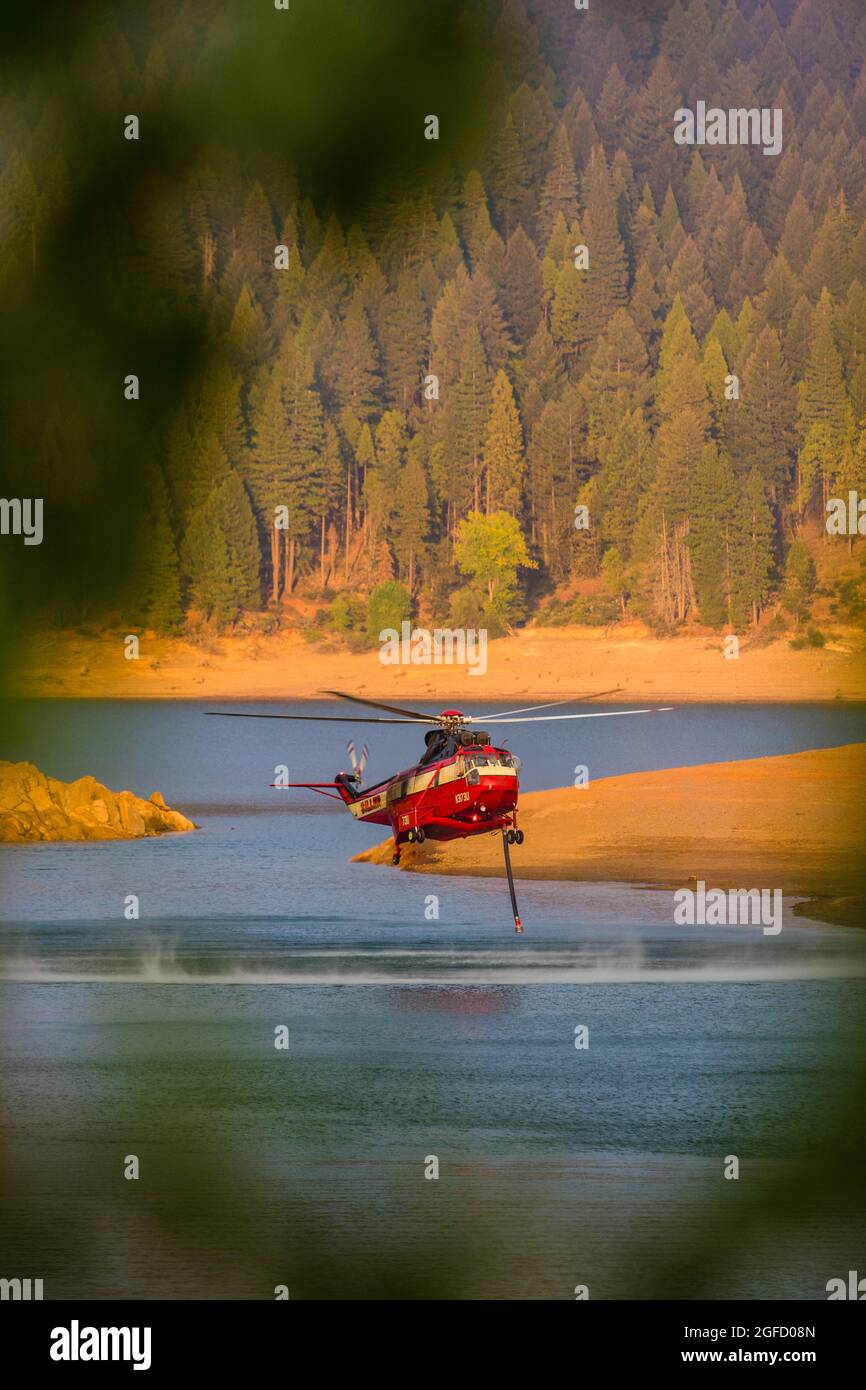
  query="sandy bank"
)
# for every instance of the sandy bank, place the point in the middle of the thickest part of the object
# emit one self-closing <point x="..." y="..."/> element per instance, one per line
<point x="538" y="662"/>
<point x="795" y="822"/>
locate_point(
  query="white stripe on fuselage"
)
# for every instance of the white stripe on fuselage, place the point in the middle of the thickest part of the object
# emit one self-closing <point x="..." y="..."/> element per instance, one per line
<point x="419" y="781"/>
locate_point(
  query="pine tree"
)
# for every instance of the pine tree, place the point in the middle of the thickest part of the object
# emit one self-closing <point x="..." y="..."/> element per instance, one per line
<point x="478" y="236"/>
<point x="269" y="465"/>
<point x="257" y="239"/>
<point x="238" y="525"/>
<point x="851" y="330"/>
<point x="825" y="417"/>
<point x="559" y="190"/>
<point x="781" y="291"/>
<point x="762" y="423"/>
<point x="219" y="410"/>
<point x="356" y="368"/>
<point x="679" y="381"/>
<point x="464" y="422"/>
<point x="626" y="473"/>
<point x="747" y="277"/>
<point x="607" y="277"/>
<point x="504" y="463"/>
<point x="249" y="339"/>
<point x="696" y="183"/>
<point x="688" y="279"/>
<point x="727" y="244"/>
<point x="798" y="337"/>
<point x="645" y="242"/>
<point x="724" y="329"/>
<point x="798" y="234"/>
<point x="492" y="262"/>
<point x="567" y="311"/>
<point x="206" y="565"/>
<point x="714" y="370"/>
<point x="711" y="524"/>
<point x="412" y="517"/>
<point x="613" y="107"/>
<point x="328" y="271"/>
<point x="829" y="264"/>
<point x="851" y="476"/>
<point x="669" y="217"/>
<point x="510" y="181"/>
<point x="206" y="467"/>
<point x="403" y="334"/>
<point x="160" y="588"/>
<point x="521" y="288"/>
<point x="680" y="444"/>
<point x="799" y="582"/>
<point x="539" y="373"/>
<point x="653" y="112"/>
<point x="557" y="469"/>
<point x="391" y="443"/>
<point x="530" y="124"/>
<point x="473" y="201"/>
<point x="644" y="304"/>
<point x="617" y="379"/>
<point x="752" y="560"/>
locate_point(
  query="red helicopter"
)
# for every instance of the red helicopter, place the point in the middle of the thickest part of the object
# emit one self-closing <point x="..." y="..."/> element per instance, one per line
<point x="463" y="785"/>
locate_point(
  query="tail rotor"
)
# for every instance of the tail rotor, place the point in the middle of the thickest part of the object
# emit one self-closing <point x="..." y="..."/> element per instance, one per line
<point x="358" y="764"/>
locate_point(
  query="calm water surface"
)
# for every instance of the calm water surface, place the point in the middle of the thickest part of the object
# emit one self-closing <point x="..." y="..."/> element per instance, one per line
<point x="305" y="1165"/>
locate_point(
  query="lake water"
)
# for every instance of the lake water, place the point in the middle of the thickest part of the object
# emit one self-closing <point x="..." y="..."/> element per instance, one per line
<point x="408" y="1039"/>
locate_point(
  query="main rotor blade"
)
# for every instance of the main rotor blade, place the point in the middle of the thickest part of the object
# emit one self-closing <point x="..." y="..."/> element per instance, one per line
<point x="595" y="714"/>
<point x="317" y="718"/>
<point x="572" y="700"/>
<point x="377" y="704"/>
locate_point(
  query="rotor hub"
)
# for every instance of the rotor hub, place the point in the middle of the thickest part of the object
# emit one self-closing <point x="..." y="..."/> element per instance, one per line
<point x="452" y="720"/>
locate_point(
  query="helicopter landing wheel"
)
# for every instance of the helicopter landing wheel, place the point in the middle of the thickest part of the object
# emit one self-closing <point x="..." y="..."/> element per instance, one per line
<point x="420" y="836"/>
<point x="518" y="837"/>
<point x="395" y="858"/>
<point x="410" y="836"/>
<point x="510" y="836"/>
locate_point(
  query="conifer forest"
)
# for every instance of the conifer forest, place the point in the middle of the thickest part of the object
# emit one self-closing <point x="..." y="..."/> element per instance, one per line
<point x="553" y="365"/>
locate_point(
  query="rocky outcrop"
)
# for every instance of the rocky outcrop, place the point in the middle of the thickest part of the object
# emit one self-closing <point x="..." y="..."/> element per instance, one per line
<point x="36" y="807"/>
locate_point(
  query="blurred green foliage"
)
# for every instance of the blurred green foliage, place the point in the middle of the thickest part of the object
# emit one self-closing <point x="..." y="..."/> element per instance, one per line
<point x="93" y="252"/>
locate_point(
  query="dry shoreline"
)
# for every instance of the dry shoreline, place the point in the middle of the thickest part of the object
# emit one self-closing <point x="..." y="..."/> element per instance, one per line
<point x="536" y="662"/>
<point x="794" y="822"/>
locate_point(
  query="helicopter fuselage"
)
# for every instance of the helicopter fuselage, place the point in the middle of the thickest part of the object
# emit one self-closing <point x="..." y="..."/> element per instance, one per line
<point x="470" y="792"/>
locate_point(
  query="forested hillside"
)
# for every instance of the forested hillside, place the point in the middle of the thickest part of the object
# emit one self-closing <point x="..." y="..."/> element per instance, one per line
<point x="591" y="354"/>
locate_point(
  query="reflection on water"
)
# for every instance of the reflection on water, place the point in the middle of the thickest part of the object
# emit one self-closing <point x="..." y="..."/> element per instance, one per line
<point x="557" y="1166"/>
